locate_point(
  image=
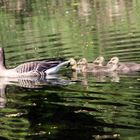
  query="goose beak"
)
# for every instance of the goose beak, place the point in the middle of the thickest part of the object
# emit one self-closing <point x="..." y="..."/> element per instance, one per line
<point x="71" y="62"/>
<point x="68" y="65"/>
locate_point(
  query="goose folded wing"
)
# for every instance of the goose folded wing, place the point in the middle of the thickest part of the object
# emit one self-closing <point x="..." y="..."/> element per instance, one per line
<point x="40" y="66"/>
<point x="43" y="66"/>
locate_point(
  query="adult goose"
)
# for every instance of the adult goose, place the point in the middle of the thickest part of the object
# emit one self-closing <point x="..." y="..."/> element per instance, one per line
<point x="125" y="67"/>
<point x="30" y="69"/>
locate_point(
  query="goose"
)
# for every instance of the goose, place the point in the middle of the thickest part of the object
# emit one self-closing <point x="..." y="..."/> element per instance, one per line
<point x="84" y="66"/>
<point x="99" y="61"/>
<point x="78" y="66"/>
<point x="30" y="69"/>
<point x="125" y="67"/>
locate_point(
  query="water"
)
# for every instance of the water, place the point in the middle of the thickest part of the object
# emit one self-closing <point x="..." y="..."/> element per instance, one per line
<point x="70" y="106"/>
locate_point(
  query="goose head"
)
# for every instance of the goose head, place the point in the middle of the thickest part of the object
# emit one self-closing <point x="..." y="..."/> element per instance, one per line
<point x="113" y="63"/>
<point x="99" y="61"/>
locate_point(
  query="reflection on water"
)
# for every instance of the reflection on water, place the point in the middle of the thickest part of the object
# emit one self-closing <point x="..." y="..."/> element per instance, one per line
<point x="31" y="83"/>
<point x="50" y="107"/>
<point x="74" y="106"/>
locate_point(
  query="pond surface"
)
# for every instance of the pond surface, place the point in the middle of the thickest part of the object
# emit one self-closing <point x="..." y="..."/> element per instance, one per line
<point x="70" y="106"/>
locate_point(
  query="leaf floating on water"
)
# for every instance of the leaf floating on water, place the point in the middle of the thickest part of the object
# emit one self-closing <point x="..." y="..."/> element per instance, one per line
<point x="104" y="137"/>
<point x="79" y="111"/>
<point x="14" y="115"/>
<point x="131" y="87"/>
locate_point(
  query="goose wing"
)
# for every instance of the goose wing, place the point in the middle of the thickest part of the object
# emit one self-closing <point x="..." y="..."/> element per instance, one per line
<point x="40" y="66"/>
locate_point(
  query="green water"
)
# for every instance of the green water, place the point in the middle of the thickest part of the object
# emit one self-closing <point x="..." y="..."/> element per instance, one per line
<point x="70" y="106"/>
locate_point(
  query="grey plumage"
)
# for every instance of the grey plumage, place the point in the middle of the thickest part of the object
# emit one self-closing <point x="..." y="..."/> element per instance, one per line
<point x="40" y="66"/>
<point x="28" y="69"/>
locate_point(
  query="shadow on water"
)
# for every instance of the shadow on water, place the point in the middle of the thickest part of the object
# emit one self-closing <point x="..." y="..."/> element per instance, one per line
<point x="59" y="118"/>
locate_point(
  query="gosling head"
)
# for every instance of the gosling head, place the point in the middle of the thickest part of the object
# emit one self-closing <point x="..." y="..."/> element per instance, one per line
<point x="113" y="63"/>
<point x="73" y="63"/>
<point x="82" y="61"/>
<point x="99" y="61"/>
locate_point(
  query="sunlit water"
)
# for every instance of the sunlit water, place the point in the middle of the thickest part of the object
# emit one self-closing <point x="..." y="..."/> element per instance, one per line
<point x="70" y="106"/>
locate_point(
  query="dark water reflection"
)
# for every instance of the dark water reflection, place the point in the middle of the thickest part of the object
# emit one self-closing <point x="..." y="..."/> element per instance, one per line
<point x="70" y="106"/>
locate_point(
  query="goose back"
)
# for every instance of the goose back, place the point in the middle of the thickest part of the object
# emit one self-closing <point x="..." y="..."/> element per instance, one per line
<point x="38" y="66"/>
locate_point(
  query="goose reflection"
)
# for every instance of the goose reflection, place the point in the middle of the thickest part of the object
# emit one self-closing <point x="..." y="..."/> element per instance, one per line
<point x="96" y="77"/>
<point x="3" y="99"/>
<point x="36" y="82"/>
<point x="31" y="83"/>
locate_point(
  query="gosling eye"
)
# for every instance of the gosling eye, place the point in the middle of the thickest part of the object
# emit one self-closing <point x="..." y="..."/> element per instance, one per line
<point x="113" y="59"/>
<point x="110" y="63"/>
